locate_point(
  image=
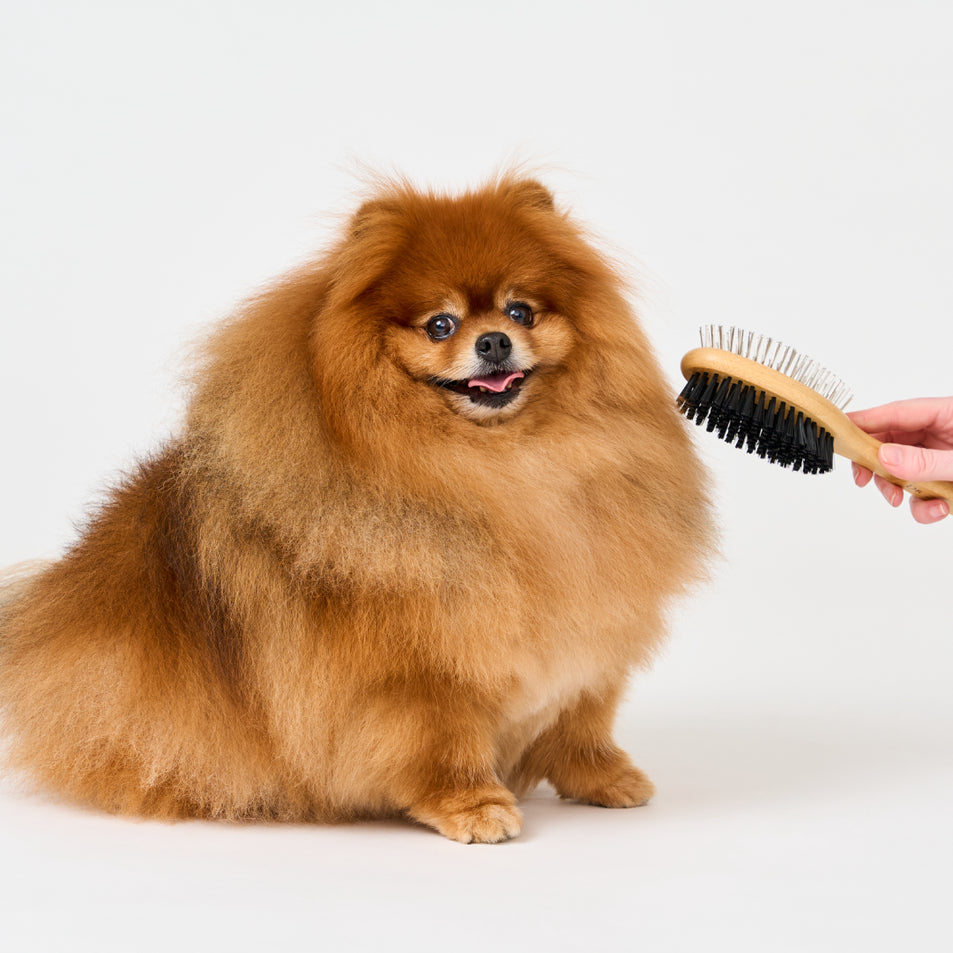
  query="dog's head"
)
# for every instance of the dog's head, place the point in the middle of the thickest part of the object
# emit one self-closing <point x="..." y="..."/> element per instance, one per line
<point x="480" y="308"/>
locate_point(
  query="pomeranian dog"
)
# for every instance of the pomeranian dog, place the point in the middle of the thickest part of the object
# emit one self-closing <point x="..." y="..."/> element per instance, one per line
<point x="430" y="503"/>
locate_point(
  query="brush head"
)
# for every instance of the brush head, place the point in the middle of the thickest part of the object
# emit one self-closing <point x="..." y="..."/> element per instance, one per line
<point x="742" y="413"/>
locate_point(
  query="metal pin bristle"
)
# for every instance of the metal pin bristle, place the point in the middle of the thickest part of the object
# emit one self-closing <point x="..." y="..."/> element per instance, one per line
<point x="780" y="357"/>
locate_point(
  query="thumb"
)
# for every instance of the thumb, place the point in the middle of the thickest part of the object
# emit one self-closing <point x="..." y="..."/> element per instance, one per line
<point x="916" y="463"/>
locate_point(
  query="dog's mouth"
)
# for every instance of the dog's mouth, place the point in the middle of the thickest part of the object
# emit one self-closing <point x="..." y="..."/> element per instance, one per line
<point x="488" y="390"/>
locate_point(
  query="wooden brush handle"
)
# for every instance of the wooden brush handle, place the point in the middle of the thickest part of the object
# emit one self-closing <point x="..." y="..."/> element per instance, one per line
<point x="849" y="440"/>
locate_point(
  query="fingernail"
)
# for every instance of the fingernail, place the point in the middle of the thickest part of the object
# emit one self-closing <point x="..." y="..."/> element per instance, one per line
<point x="939" y="510"/>
<point x="890" y="454"/>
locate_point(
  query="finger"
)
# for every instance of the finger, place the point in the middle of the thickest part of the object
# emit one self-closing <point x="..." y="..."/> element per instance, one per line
<point x="921" y="413"/>
<point x="929" y="511"/>
<point x="890" y="491"/>
<point x="861" y="474"/>
<point x="916" y="463"/>
<point x="919" y="437"/>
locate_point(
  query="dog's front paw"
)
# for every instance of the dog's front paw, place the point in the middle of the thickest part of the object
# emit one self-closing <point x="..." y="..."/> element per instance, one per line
<point x="615" y="782"/>
<point x="630" y="788"/>
<point x="483" y="824"/>
<point x="478" y="817"/>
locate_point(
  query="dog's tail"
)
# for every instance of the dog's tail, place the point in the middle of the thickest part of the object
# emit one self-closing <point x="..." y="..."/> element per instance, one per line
<point x="16" y="579"/>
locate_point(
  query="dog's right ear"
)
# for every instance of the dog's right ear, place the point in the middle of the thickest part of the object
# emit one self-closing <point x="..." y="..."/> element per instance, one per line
<point x="373" y="213"/>
<point x="532" y="194"/>
<point x="373" y="236"/>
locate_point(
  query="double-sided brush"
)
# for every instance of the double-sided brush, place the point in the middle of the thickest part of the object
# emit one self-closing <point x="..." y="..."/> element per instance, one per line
<point x="762" y="395"/>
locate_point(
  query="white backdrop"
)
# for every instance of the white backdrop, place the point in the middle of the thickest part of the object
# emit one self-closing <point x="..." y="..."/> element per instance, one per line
<point x="781" y="167"/>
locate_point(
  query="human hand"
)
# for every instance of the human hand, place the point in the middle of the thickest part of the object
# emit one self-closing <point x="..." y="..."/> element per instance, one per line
<point x="917" y="437"/>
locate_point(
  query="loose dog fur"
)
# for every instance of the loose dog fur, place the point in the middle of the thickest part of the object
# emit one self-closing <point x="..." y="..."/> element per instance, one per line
<point x="360" y="584"/>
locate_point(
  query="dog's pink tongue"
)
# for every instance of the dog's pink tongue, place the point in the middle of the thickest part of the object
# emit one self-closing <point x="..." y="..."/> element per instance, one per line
<point x="496" y="382"/>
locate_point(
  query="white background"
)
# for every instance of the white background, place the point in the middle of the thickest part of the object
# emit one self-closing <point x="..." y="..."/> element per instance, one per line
<point x="781" y="167"/>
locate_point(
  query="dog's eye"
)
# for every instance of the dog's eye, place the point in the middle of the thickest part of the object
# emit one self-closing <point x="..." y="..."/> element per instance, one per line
<point x="520" y="313"/>
<point x="441" y="326"/>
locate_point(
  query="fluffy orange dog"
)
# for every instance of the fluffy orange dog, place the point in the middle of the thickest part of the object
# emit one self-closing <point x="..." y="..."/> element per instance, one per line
<point x="429" y="505"/>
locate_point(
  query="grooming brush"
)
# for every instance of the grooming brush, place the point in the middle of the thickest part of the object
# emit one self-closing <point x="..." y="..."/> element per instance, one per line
<point x="762" y="395"/>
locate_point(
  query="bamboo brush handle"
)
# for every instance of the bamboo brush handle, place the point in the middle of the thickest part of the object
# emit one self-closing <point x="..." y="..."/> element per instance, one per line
<point x="849" y="440"/>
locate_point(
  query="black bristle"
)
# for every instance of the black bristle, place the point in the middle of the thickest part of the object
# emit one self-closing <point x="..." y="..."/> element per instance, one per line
<point x="704" y="403"/>
<point x="728" y="418"/>
<point x="745" y="414"/>
<point x="787" y="446"/>
<point x="810" y="443"/>
<point x="747" y="417"/>
<point x="718" y="405"/>
<point x="774" y="435"/>
<point x="800" y="443"/>
<point x="769" y="431"/>
<point x="688" y="398"/>
<point x="754" y="429"/>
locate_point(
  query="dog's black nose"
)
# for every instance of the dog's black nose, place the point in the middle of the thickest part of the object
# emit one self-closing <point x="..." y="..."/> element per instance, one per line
<point x="494" y="347"/>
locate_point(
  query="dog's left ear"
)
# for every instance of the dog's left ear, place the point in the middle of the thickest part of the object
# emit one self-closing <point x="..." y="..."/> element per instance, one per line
<point x="533" y="194"/>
